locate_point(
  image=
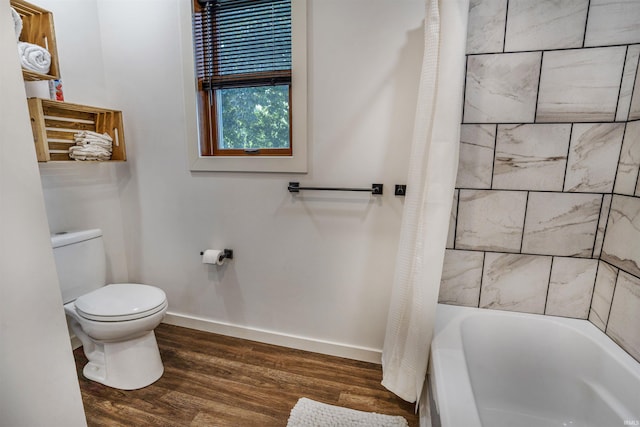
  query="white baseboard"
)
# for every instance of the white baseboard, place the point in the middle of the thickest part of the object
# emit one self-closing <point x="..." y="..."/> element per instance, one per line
<point x="317" y="346"/>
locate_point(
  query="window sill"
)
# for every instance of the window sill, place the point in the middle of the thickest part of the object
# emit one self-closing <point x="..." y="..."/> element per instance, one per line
<point x="293" y="164"/>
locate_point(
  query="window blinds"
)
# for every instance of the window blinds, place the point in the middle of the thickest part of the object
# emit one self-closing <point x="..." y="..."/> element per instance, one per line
<point x="243" y="43"/>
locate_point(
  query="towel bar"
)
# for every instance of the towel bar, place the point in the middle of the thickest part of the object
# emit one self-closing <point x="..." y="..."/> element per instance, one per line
<point x="294" y="187"/>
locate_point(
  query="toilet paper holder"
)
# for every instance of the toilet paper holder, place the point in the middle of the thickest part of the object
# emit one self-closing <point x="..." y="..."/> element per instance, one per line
<point x="227" y="253"/>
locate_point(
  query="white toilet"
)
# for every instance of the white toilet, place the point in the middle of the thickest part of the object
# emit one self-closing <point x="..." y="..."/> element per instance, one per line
<point x="115" y="322"/>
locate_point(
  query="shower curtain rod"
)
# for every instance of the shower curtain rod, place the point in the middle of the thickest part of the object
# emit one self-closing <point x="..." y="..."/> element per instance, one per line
<point x="294" y="187"/>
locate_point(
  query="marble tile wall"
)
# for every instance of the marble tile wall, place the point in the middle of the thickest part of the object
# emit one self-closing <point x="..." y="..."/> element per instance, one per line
<point x="622" y="237"/>
<point x="629" y="163"/>
<point x="545" y="24"/>
<point x="570" y="287"/>
<point x="624" y="316"/>
<point x="580" y="85"/>
<point x="531" y="156"/>
<point x="561" y="224"/>
<point x="515" y="282"/>
<point x="490" y="220"/>
<point x="502" y="87"/>
<point x="613" y="22"/>
<point x="628" y="81"/>
<point x="593" y="157"/>
<point x="603" y="294"/>
<point x="546" y="213"/>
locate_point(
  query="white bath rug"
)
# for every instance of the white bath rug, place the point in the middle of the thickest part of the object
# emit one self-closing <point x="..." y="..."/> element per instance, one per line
<point x="309" y="413"/>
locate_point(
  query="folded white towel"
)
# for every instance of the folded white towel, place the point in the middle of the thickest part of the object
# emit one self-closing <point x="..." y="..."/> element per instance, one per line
<point x="34" y="57"/>
<point x="91" y="146"/>
<point x="17" y="22"/>
<point x="94" y="142"/>
<point x="87" y="157"/>
<point x="89" y="152"/>
<point x="89" y="133"/>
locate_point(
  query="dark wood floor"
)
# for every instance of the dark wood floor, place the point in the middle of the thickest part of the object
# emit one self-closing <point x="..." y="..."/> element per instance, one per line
<point x="214" y="380"/>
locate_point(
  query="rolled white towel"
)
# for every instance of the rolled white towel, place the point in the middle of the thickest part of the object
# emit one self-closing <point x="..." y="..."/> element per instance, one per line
<point x="34" y="57"/>
<point x="17" y="23"/>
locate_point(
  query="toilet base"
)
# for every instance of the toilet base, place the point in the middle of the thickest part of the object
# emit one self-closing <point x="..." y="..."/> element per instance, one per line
<point x="126" y="365"/>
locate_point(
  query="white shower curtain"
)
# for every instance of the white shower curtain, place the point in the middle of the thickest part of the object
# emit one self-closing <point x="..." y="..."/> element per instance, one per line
<point x="430" y="185"/>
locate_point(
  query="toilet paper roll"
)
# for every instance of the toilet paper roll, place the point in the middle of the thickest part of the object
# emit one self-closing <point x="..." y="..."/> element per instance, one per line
<point x="213" y="256"/>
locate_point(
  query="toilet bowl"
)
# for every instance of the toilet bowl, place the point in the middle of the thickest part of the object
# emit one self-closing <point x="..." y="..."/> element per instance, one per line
<point x="115" y="322"/>
<point x="117" y="336"/>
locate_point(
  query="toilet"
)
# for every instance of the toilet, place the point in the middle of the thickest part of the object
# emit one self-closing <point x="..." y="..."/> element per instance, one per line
<point x="114" y="322"/>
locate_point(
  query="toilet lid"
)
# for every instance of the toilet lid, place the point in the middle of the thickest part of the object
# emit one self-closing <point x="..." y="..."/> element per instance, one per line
<point x="120" y="300"/>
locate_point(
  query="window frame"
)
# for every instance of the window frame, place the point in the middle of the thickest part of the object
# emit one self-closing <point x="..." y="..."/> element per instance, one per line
<point x="195" y="100"/>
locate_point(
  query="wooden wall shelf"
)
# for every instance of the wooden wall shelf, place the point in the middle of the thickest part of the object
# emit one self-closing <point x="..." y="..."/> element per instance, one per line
<point x="54" y="124"/>
<point x="37" y="28"/>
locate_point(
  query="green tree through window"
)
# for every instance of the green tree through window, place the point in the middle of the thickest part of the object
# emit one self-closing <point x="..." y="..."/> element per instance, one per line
<point x="254" y="118"/>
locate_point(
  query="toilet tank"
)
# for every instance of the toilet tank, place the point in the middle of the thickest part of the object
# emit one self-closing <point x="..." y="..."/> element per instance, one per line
<point x="81" y="262"/>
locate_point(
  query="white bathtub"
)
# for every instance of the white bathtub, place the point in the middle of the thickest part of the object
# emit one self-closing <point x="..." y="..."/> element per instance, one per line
<point x="495" y="368"/>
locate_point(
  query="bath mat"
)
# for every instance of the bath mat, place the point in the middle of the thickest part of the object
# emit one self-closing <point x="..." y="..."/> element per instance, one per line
<point x="309" y="413"/>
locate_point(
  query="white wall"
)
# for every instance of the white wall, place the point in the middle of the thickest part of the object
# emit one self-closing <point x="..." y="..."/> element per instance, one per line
<point x="37" y="372"/>
<point x="318" y="266"/>
<point x="77" y="195"/>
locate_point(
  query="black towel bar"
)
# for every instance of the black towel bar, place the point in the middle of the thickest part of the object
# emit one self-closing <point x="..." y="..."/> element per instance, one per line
<point x="294" y="187"/>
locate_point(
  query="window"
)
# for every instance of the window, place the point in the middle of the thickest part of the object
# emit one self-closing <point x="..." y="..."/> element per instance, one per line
<point x="243" y="65"/>
<point x="204" y="97"/>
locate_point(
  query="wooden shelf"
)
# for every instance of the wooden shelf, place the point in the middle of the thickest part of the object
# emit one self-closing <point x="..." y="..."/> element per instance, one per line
<point x="37" y="28"/>
<point x="54" y="124"/>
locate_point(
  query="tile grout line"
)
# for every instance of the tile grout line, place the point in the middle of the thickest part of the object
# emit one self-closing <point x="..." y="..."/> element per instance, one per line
<point x="535" y="112"/>
<point x="586" y="24"/>
<point x="624" y="63"/>
<point x="613" y="295"/>
<point x="615" y="176"/>
<point x="561" y="122"/>
<point x="484" y="257"/>
<point x="593" y="291"/>
<point x="635" y="189"/>
<point x="624" y="195"/>
<point x="540" y="191"/>
<point x="455" y="226"/>
<point x="504" y="252"/>
<point x="464" y="87"/>
<point x="495" y="150"/>
<point x="546" y="298"/>
<point x="506" y="19"/>
<point x="606" y="225"/>
<point x="524" y="221"/>
<point x="560" y="49"/>
<point x="566" y="162"/>
<point x="620" y="269"/>
<point x="595" y="238"/>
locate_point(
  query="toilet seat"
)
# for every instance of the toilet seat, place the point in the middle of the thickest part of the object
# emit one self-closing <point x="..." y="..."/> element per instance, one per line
<point x="121" y="302"/>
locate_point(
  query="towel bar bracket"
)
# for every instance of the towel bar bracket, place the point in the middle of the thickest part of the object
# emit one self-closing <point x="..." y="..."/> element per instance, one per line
<point x="376" y="189"/>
